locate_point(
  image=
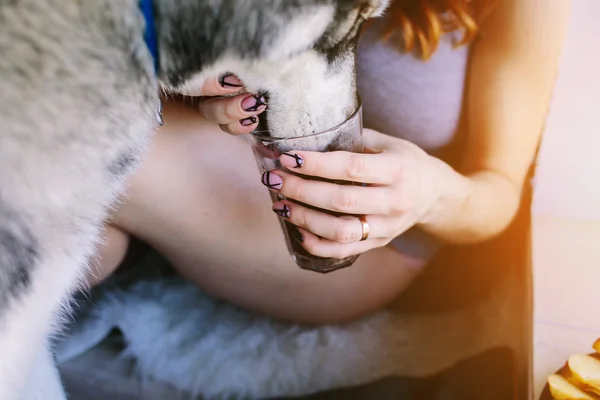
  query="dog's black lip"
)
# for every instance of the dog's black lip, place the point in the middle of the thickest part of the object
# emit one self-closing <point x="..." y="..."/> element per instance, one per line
<point x="263" y="124"/>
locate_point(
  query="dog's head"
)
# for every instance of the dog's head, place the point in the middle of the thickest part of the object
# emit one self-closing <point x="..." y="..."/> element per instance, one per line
<point x="299" y="53"/>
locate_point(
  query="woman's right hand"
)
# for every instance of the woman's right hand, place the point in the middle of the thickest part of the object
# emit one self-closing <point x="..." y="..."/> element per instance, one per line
<point x="236" y="114"/>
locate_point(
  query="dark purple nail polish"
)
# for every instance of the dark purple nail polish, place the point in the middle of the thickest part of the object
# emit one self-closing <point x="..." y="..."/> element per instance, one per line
<point x="272" y="181"/>
<point x="297" y="159"/>
<point x="283" y="210"/>
<point x="248" y="121"/>
<point x="258" y="103"/>
<point x="230" y="81"/>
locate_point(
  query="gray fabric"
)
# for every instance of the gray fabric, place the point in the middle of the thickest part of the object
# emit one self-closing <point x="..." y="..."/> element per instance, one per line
<point x="406" y="97"/>
<point x="415" y="100"/>
<point x="417" y="244"/>
<point x="193" y="342"/>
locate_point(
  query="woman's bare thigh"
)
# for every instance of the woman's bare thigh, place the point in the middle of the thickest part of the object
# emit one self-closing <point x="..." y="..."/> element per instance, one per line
<point x="198" y="200"/>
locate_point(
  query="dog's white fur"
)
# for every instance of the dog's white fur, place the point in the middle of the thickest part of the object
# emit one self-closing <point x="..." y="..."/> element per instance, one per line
<point x="79" y="98"/>
<point x="286" y="70"/>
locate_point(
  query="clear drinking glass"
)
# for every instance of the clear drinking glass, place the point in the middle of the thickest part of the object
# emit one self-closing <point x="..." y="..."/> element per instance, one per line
<point x="346" y="136"/>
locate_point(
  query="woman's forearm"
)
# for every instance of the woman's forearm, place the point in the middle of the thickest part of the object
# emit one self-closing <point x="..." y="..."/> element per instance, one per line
<point x="512" y="69"/>
<point x="472" y="208"/>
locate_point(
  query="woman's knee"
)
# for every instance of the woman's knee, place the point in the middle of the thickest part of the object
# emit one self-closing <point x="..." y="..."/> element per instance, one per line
<point x="284" y="291"/>
<point x="375" y="281"/>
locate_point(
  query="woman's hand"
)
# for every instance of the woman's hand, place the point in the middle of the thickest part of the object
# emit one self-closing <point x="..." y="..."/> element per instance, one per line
<point x="401" y="184"/>
<point x="235" y="114"/>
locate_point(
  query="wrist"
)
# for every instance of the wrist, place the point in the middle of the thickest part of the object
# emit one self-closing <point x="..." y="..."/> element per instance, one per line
<point x="453" y="196"/>
<point x="471" y="209"/>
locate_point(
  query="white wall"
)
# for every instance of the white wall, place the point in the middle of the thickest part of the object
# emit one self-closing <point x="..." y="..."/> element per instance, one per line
<point x="568" y="176"/>
<point x="566" y="206"/>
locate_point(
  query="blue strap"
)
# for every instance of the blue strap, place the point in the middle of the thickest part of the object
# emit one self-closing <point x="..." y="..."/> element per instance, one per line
<point x="147" y="9"/>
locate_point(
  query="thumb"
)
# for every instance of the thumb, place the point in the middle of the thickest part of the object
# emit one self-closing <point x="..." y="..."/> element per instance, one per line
<point x="375" y="142"/>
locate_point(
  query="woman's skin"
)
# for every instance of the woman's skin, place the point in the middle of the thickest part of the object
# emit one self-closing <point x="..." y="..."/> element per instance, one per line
<point x="216" y="226"/>
<point x="198" y="197"/>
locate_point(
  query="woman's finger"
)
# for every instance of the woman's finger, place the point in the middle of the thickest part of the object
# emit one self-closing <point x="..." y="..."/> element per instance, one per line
<point x="377" y="142"/>
<point x="377" y="168"/>
<point x="326" y="248"/>
<point x="345" y="199"/>
<point x="241" y="127"/>
<point x="226" y="84"/>
<point x="227" y="110"/>
<point x="344" y="229"/>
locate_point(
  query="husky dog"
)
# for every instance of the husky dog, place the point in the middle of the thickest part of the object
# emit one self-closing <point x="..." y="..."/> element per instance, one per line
<point x="79" y="91"/>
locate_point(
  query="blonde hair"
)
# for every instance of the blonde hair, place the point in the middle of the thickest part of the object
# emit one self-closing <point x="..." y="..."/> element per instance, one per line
<point x="421" y="23"/>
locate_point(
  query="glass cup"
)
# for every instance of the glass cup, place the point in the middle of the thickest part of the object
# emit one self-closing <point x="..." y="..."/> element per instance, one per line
<point x="346" y="136"/>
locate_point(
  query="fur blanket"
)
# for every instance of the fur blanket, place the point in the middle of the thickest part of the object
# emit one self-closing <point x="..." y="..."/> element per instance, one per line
<point x="179" y="335"/>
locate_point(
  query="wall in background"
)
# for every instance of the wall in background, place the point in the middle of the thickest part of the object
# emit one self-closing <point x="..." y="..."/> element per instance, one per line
<point x="566" y="204"/>
<point x="568" y="176"/>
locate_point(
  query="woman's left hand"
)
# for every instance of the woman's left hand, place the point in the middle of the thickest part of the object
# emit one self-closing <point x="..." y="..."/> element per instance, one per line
<point x="400" y="186"/>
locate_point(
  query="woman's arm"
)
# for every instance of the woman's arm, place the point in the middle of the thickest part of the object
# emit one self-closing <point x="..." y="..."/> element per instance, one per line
<point x="512" y="72"/>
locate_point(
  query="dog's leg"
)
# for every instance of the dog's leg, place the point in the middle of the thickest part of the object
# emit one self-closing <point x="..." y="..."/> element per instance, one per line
<point x="44" y="382"/>
<point x="42" y="254"/>
<point x="75" y="120"/>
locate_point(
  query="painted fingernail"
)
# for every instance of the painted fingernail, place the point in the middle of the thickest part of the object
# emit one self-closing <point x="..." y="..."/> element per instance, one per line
<point x="248" y="121"/>
<point x="229" y="80"/>
<point x="283" y="210"/>
<point x="292" y="160"/>
<point x="254" y="103"/>
<point x="271" y="180"/>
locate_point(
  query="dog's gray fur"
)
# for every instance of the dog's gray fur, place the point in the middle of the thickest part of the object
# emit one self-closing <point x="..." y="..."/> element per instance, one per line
<point x="79" y="95"/>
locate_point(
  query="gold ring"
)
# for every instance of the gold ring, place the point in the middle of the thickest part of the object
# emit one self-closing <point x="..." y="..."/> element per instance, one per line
<point x="365" y="227"/>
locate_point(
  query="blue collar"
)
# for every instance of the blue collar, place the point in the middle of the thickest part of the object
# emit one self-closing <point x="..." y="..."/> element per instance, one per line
<point x="147" y="9"/>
